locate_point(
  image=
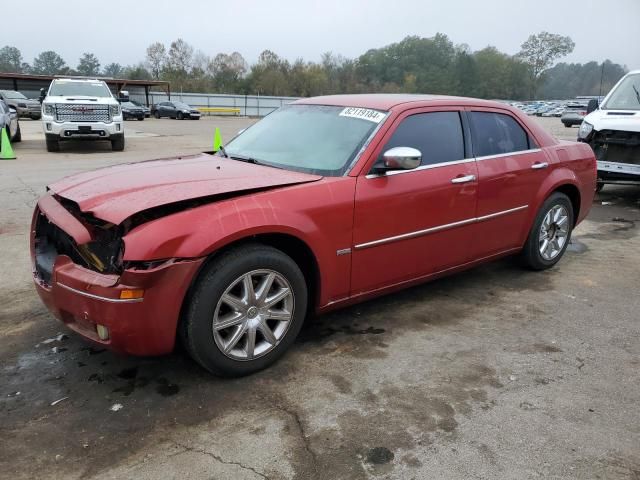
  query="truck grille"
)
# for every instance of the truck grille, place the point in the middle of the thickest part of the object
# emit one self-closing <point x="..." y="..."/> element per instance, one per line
<point x="82" y="113"/>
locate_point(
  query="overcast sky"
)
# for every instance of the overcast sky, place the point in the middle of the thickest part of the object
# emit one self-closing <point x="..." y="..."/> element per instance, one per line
<point x="119" y="31"/>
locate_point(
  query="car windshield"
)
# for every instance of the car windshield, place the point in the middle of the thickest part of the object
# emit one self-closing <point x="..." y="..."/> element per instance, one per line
<point x="14" y="95"/>
<point x="129" y="105"/>
<point x="626" y="96"/>
<point x="181" y="105"/>
<point x="80" y="89"/>
<point x="314" y="139"/>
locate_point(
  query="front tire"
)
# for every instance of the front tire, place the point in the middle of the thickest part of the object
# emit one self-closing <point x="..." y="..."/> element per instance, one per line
<point x="53" y="143"/>
<point x="245" y="311"/>
<point x="117" y="143"/>
<point x="180" y="116"/>
<point x="550" y="234"/>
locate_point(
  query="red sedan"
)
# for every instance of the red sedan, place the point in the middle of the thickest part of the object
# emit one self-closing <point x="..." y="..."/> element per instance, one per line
<point x="326" y="202"/>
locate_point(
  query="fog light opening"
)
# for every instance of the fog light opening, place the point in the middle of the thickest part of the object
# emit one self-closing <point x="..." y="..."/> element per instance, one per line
<point x="103" y="332"/>
<point x="48" y="126"/>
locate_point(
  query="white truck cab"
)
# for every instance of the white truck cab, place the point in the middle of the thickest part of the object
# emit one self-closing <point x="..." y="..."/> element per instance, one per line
<point x="613" y="131"/>
<point x="81" y="108"/>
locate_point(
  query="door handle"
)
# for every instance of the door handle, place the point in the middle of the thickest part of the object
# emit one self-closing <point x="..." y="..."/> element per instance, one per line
<point x="465" y="179"/>
<point x="539" y="165"/>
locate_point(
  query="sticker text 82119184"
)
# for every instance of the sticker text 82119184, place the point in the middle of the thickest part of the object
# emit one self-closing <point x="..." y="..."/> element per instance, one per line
<point x="363" y="114"/>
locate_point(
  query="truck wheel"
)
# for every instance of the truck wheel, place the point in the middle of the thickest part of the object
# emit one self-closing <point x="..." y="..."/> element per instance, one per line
<point x="53" y="144"/>
<point x="117" y="143"/>
<point x="245" y="311"/>
<point x="550" y="234"/>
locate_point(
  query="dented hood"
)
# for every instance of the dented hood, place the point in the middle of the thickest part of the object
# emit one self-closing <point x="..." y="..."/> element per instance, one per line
<point x="115" y="193"/>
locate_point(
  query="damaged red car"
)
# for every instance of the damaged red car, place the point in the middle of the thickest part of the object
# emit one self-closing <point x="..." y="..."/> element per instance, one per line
<point x="326" y="202"/>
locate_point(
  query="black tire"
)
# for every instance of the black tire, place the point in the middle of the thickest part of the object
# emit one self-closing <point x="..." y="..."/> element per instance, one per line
<point x="531" y="255"/>
<point x="566" y="125"/>
<point x="117" y="143"/>
<point x="157" y="114"/>
<point x="141" y="119"/>
<point x="53" y="144"/>
<point x="599" y="186"/>
<point x="18" y="136"/>
<point x="180" y="116"/>
<point x="35" y="117"/>
<point x="197" y="327"/>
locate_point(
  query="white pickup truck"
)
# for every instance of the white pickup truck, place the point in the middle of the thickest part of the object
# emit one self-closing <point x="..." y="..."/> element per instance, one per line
<point x="613" y="131"/>
<point x="80" y="108"/>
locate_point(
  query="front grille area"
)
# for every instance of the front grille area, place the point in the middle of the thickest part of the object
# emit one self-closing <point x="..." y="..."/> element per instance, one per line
<point x="82" y="113"/>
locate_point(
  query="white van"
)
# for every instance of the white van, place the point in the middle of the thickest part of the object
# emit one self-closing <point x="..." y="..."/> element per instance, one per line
<point x="613" y="131"/>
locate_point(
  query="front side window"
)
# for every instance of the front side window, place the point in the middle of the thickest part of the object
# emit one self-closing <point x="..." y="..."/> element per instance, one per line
<point x="438" y="136"/>
<point x="496" y="134"/>
<point x="318" y="139"/>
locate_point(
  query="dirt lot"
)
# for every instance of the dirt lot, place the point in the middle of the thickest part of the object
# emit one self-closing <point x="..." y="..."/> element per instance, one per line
<point x="493" y="373"/>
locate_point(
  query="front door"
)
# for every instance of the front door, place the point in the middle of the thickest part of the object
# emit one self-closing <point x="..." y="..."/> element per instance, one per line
<point x="411" y="223"/>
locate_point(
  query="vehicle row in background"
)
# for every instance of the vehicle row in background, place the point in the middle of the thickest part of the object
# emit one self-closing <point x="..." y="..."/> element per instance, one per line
<point x="177" y="110"/>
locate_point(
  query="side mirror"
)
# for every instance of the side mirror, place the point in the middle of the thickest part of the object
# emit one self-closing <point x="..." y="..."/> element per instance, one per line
<point x="592" y="105"/>
<point x="43" y="94"/>
<point x="401" y="158"/>
<point x="13" y="111"/>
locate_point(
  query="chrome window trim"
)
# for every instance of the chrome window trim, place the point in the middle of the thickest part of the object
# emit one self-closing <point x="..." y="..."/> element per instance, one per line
<point x="98" y="297"/>
<point x="438" y="228"/>
<point x="510" y="154"/>
<point x="421" y="167"/>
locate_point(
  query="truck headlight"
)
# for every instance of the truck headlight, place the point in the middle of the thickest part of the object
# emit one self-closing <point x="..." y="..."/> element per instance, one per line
<point x="49" y="109"/>
<point x="114" y="110"/>
<point x="585" y="130"/>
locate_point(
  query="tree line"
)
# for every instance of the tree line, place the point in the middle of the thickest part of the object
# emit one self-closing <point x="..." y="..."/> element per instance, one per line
<point x="413" y="65"/>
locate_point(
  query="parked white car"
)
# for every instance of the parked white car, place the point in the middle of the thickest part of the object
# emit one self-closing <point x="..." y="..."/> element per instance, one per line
<point x="613" y="131"/>
<point x="80" y="108"/>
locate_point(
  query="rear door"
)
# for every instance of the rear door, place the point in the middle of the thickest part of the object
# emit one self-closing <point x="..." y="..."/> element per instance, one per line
<point x="511" y="168"/>
<point x="410" y="223"/>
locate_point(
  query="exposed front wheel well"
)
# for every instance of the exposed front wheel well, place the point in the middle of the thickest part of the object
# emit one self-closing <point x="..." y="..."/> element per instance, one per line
<point x="573" y="193"/>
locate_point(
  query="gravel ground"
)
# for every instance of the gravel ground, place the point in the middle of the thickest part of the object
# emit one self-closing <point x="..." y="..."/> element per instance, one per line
<point x="493" y="373"/>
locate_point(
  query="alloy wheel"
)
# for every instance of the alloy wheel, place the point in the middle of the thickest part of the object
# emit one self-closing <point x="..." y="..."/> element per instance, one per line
<point x="554" y="232"/>
<point x="253" y="314"/>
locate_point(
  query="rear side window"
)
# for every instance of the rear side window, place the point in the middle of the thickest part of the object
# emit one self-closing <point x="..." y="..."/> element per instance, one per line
<point x="438" y="135"/>
<point x="496" y="133"/>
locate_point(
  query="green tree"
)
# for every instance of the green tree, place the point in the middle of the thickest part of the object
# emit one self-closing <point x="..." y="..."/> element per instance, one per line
<point x="156" y="59"/>
<point x="540" y="52"/>
<point x="89" y="65"/>
<point x="113" y="70"/>
<point x="11" y="60"/>
<point x="49" y="63"/>
<point x="137" y="72"/>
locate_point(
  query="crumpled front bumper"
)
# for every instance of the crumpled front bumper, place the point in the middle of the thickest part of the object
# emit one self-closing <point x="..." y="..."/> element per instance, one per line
<point x="85" y="299"/>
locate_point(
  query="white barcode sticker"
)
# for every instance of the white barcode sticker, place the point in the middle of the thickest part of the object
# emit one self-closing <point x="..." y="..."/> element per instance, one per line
<point x="363" y="114"/>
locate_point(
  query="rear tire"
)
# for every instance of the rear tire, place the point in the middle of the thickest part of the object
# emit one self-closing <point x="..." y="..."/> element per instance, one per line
<point x="157" y="115"/>
<point x="53" y="144"/>
<point x="221" y="295"/>
<point x="18" y="137"/>
<point x="550" y="234"/>
<point x="141" y="119"/>
<point x="117" y="143"/>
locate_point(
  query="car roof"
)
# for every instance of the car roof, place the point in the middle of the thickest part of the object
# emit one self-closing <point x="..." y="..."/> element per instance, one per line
<point x="388" y="101"/>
